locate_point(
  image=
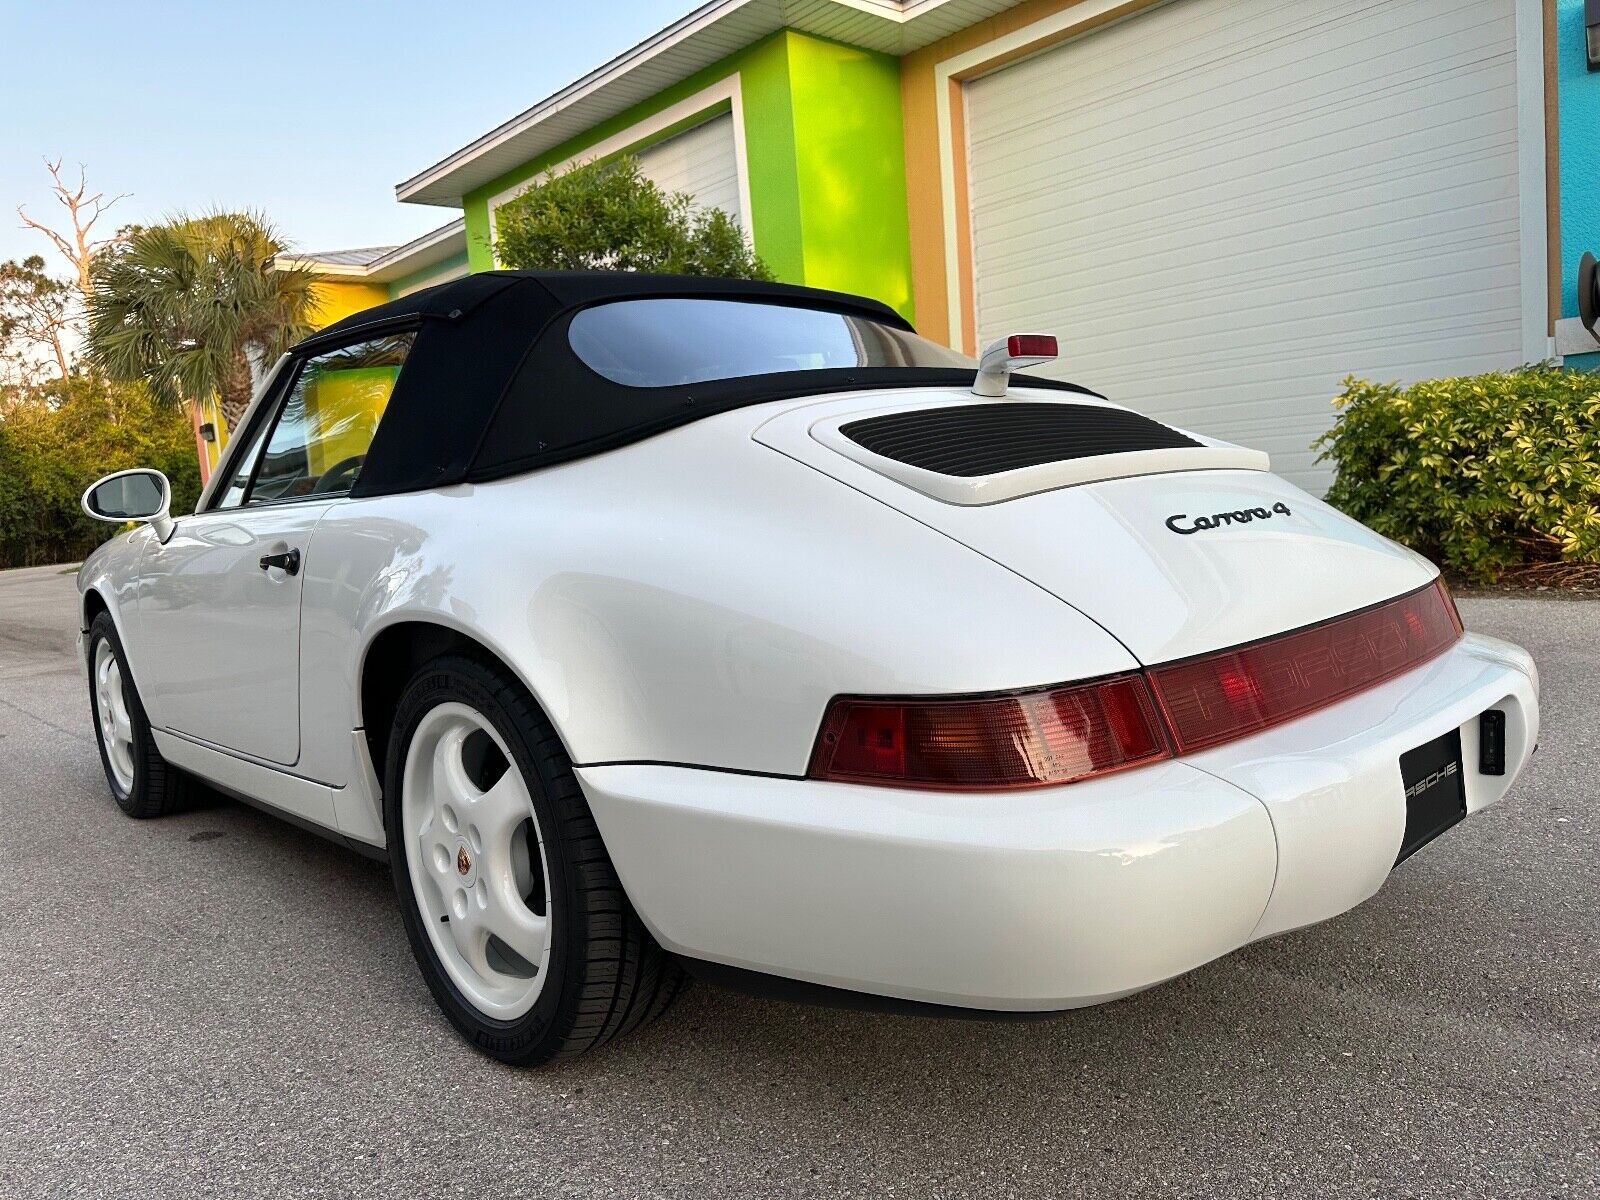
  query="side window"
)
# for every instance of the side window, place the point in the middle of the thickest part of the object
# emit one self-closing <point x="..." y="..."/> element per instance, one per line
<point x="244" y="466"/>
<point x="320" y="435"/>
<point x="233" y="495"/>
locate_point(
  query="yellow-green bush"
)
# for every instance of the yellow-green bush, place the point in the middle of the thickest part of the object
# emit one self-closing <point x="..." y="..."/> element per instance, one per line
<point x="57" y="440"/>
<point x="1480" y="473"/>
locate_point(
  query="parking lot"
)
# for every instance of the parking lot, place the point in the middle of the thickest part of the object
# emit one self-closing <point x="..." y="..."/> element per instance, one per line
<point x="221" y="1004"/>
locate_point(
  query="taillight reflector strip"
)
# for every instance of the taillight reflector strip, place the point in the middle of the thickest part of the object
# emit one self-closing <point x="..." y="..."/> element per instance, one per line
<point x="1233" y="693"/>
<point x="1031" y="739"/>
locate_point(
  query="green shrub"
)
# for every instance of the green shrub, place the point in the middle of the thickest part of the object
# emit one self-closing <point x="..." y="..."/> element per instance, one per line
<point x="607" y="216"/>
<point x="1481" y="473"/>
<point x="57" y="440"/>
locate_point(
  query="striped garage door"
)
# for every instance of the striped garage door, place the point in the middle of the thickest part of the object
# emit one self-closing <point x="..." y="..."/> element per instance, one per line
<point x="700" y="161"/>
<point x="1223" y="207"/>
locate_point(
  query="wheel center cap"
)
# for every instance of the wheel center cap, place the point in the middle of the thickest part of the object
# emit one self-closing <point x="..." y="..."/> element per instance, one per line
<point x="463" y="862"/>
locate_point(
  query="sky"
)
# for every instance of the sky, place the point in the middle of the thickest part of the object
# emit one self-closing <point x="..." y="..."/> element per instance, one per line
<point x="311" y="112"/>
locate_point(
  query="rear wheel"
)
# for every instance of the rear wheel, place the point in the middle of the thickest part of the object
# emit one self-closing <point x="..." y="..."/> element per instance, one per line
<point x="511" y="904"/>
<point x="142" y="782"/>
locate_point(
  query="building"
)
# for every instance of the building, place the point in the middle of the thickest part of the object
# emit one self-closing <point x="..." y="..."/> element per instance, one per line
<point x="1222" y="207"/>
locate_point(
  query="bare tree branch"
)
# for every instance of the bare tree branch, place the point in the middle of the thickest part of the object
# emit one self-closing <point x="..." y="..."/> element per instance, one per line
<point x="83" y="210"/>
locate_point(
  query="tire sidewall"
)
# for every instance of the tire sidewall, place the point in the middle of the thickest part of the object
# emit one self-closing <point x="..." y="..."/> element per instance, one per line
<point x="465" y="682"/>
<point x="104" y="629"/>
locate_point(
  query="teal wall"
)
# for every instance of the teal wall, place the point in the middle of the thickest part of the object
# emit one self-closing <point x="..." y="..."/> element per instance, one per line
<point x="1579" y="93"/>
<point x="427" y="275"/>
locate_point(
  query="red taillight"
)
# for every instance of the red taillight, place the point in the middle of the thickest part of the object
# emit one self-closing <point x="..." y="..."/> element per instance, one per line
<point x="1031" y="345"/>
<point x="1064" y="734"/>
<point x="1222" y="696"/>
<point x="1026" y="740"/>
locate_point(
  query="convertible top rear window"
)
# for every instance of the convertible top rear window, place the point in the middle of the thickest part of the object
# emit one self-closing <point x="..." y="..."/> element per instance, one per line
<point x="670" y="342"/>
<point x="516" y="370"/>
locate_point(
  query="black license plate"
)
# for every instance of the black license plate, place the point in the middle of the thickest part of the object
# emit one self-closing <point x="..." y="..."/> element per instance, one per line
<point x="1436" y="791"/>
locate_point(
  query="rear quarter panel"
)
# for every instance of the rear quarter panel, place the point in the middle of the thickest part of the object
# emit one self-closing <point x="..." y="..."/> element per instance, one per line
<point x="693" y="598"/>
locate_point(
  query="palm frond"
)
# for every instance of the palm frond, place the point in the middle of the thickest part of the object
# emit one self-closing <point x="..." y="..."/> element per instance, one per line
<point x="180" y="304"/>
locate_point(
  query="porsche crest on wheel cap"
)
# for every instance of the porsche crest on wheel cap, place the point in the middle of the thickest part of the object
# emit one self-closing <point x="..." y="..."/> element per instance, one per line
<point x="463" y="862"/>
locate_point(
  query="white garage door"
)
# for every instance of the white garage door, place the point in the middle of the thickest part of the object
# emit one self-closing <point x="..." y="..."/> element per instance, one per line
<point x="1223" y="207"/>
<point x="700" y="161"/>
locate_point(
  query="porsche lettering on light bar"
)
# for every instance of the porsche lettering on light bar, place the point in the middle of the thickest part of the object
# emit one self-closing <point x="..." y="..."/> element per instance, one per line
<point x="1077" y="731"/>
<point x="1227" y="695"/>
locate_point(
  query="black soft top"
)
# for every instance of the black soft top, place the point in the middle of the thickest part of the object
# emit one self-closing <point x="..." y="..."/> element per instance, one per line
<point x="491" y="386"/>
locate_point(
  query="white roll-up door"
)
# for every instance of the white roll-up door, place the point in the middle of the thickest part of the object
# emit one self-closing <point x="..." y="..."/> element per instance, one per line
<point x="700" y="161"/>
<point x="1223" y="207"/>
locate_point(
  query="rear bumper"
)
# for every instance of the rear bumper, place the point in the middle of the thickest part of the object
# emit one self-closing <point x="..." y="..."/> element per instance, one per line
<point x="1059" y="897"/>
<point x="1331" y="781"/>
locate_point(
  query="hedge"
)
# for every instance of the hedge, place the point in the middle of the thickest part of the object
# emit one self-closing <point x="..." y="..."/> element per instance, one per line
<point x="57" y="440"/>
<point x="1483" y="474"/>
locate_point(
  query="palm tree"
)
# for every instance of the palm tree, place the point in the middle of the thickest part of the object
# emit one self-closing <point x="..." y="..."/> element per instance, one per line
<point x="189" y="305"/>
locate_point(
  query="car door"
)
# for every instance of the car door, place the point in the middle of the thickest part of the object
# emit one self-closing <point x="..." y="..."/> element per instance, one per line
<point x="219" y="603"/>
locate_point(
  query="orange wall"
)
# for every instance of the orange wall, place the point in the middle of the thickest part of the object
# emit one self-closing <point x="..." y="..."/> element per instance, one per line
<point x="925" y="196"/>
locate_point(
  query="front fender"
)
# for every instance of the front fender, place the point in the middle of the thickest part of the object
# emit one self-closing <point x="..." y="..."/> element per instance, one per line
<point x="111" y="571"/>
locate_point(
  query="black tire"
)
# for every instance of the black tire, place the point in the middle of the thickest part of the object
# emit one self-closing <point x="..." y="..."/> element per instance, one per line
<point x="158" y="788"/>
<point x="606" y="974"/>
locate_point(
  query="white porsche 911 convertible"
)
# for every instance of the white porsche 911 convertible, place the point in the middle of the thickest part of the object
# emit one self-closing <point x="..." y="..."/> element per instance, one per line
<point x="651" y="624"/>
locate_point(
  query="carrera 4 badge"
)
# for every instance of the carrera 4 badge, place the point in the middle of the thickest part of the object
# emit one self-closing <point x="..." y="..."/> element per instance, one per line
<point x="1239" y="516"/>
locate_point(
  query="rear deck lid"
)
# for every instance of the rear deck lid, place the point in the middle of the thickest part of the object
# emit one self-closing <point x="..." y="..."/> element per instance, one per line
<point x="1174" y="549"/>
<point x="986" y="452"/>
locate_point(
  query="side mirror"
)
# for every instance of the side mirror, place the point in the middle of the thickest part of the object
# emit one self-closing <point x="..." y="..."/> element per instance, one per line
<point x="137" y="495"/>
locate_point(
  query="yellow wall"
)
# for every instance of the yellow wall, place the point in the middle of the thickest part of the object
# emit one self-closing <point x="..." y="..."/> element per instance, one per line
<point x="334" y="300"/>
<point x="342" y="410"/>
<point x="337" y="299"/>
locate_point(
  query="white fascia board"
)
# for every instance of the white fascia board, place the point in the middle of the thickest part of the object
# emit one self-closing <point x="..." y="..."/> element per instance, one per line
<point x="433" y="247"/>
<point x="330" y="270"/>
<point x="420" y="188"/>
<point x="449" y="179"/>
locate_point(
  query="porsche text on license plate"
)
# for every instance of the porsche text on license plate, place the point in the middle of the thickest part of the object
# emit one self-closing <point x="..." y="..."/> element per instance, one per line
<point x="1436" y="794"/>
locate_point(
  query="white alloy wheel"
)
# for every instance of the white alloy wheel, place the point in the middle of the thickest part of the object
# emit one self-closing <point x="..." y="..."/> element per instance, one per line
<point x="477" y="861"/>
<point x="115" y="722"/>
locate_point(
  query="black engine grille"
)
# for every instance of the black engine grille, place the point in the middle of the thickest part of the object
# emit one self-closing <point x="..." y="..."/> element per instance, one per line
<point x="983" y="439"/>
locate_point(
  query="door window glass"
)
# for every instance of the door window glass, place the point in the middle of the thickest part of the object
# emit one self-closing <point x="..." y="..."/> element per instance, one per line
<point x="233" y="494"/>
<point x="325" y="426"/>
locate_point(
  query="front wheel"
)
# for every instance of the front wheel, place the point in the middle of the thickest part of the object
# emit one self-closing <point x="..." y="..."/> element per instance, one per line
<point x="511" y="904"/>
<point x="142" y="782"/>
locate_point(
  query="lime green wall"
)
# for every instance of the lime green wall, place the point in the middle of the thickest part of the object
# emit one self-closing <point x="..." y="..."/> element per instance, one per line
<point x="824" y="156"/>
<point x="770" y="156"/>
<point x="851" y="168"/>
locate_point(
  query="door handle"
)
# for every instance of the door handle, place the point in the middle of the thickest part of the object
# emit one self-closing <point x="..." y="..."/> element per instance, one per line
<point x="288" y="562"/>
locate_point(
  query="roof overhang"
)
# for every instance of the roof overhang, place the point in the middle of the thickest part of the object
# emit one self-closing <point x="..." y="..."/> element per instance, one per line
<point x="387" y="263"/>
<point x="707" y="35"/>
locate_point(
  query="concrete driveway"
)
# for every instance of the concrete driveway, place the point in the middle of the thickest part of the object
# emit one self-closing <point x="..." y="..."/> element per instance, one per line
<point x="220" y="1004"/>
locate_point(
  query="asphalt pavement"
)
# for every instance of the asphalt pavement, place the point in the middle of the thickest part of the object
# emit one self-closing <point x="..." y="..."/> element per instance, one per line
<point x="219" y="1004"/>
